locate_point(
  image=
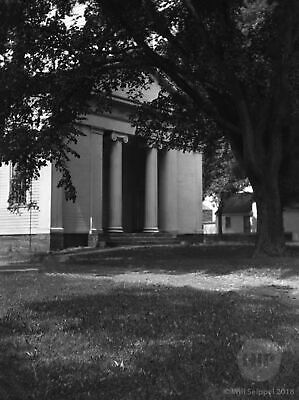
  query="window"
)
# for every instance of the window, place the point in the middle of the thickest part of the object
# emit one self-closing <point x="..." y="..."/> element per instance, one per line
<point x="207" y="216"/>
<point x="18" y="187"/>
<point x="227" y="222"/>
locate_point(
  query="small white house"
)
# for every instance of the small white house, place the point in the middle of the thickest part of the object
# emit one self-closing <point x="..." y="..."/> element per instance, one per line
<point x="209" y="209"/>
<point x="291" y="220"/>
<point x="239" y="214"/>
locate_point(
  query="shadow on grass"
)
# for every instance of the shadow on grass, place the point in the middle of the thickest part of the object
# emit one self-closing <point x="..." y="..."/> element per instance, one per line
<point x="143" y="343"/>
<point x="213" y="259"/>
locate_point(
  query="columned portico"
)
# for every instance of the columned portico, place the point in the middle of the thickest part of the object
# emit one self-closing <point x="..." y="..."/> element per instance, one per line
<point x="115" y="182"/>
<point x="150" y="194"/>
<point x="151" y="191"/>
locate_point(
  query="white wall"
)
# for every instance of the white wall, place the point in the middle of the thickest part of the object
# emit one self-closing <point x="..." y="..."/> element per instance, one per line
<point x="19" y="223"/>
<point x="109" y="122"/>
<point x="180" y="192"/>
<point x="189" y="175"/>
<point x="291" y="222"/>
<point x="76" y="214"/>
<point x="210" y="228"/>
<point x="84" y="214"/>
<point x="237" y="224"/>
<point x="253" y="219"/>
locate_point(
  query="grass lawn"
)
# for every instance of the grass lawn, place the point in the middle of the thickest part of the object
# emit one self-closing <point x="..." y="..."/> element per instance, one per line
<point x="164" y="323"/>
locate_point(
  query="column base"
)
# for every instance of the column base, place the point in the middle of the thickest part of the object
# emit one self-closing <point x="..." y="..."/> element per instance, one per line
<point x="95" y="238"/>
<point x="56" y="239"/>
<point x="151" y="230"/>
<point x="115" y="229"/>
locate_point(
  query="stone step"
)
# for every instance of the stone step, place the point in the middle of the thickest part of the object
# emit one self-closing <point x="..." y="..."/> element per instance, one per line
<point x="141" y="234"/>
<point x="127" y="242"/>
<point x="142" y="238"/>
<point x="139" y="240"/>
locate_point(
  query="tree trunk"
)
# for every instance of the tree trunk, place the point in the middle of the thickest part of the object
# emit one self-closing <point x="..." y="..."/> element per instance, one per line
<point x="270" y="230"/>
<point x="219" y="216"/>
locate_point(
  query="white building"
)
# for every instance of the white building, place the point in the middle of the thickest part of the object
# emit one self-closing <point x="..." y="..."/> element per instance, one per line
<point x="239" y="214"/>
<point x="122" y="186"/>
<point x="209" y="209"/>
<point x="291" y="220"/>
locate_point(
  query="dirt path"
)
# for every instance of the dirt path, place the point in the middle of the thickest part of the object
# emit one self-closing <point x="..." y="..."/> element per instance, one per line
<point x="259" y="283"/>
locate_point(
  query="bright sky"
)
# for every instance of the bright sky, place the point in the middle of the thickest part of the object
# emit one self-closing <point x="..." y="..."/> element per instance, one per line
<point x="77" y="17"/>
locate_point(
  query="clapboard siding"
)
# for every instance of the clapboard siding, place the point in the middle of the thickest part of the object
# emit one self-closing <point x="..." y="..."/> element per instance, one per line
<point x="19" y="223"/>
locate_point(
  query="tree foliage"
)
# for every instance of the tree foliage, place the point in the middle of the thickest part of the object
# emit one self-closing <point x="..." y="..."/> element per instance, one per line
<point x="36" y="125"/>
<point x="231" y="66"/>
<point x="49" y="70"/>
<point x="221" y="173"/>
<point x="228" y="70"/>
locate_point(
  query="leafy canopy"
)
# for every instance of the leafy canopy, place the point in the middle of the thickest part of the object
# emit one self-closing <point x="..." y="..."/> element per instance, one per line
<point x="50" y="67"/>
<point x="227" y="69"/>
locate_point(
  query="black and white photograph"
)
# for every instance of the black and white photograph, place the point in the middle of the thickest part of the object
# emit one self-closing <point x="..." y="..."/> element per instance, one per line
<point x="149" y="199"/>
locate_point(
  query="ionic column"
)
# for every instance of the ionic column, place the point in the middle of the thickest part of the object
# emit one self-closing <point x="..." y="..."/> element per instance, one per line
<point x="168" y="218"/>
<point x="96" y="186"/>
<point x="151" y="191"/>
<point x="115" y="182"/>
<point x="57" y="199"/>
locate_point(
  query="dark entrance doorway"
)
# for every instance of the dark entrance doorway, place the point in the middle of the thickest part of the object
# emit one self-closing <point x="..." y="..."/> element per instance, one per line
<point x="133" y="185"/>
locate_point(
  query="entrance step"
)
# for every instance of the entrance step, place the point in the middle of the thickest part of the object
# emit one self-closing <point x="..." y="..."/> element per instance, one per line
<point x="142" y="238"/>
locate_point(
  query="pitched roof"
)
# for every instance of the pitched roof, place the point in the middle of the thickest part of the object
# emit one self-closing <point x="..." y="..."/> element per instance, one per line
<point x="206" y="206"/>
<point x="292" y="206"/>
<point x="238" y="203"/>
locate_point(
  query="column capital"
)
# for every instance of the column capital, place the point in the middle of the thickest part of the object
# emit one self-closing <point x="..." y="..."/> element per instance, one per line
<point x="155" y="146"/>
<point x="150" y="146"/>
<point x="119" y="137"/>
